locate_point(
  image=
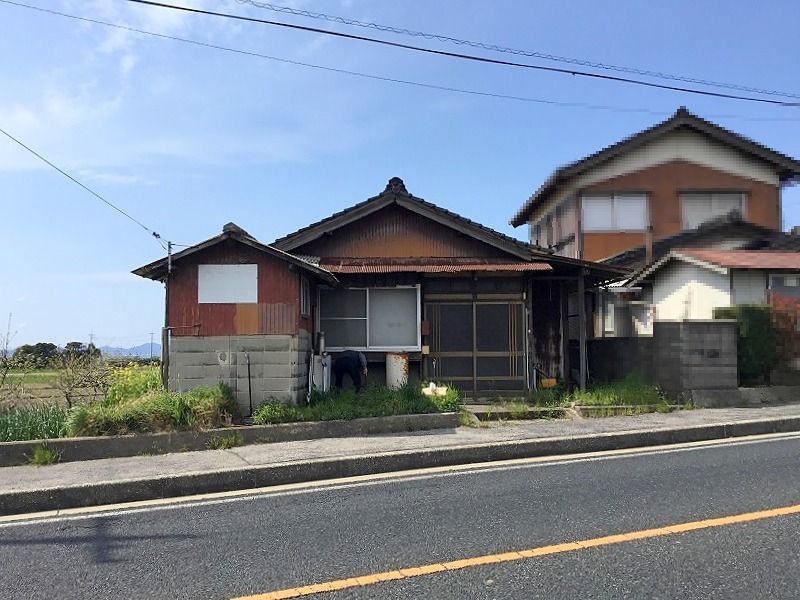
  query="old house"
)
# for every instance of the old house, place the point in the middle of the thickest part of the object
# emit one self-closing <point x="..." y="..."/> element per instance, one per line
<point x="394" y="274"/>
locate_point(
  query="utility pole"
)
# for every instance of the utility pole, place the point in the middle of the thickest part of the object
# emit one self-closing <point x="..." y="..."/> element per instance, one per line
<point x="151" y="344"/>
<point x="165" y="331"/>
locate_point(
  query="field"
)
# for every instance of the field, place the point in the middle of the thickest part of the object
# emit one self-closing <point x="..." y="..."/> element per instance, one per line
<point x="36" y="387"/>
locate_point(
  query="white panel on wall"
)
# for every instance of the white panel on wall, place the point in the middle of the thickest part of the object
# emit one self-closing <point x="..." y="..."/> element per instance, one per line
<point x="225" y="284"/>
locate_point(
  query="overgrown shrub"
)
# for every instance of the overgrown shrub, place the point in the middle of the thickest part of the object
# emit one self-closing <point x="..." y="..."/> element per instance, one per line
<point x="35" y="422"/>
<point x="133" y="381"/>
<point x="757" y="343"/>
<point x="632" y="390"/>
<point x="201" y="408"/>
<point x="373" y="401"/>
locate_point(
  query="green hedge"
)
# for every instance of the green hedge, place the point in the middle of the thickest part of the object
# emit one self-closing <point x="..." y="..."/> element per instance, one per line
<point x="373" y="401"/>
<point x="756" y="351"/>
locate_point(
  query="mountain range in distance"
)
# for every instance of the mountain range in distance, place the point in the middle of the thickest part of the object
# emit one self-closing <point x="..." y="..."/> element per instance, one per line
<point x="140" y="351"/>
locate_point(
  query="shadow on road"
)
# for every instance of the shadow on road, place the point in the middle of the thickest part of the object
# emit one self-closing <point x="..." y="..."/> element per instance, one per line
<point x="105" y="546"/>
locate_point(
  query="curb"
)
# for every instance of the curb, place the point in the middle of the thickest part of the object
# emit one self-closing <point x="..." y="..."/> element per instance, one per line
<point x="118" y="446"/>
<point x="169" y="486"/>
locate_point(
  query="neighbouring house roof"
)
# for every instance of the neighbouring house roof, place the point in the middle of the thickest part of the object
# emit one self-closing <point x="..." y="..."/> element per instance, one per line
<point x="439" y="265"/>
<point x="730" y="225"/>
<point x="786" y="166"/>
<point x="396" y="193"/>
<point x="723" y="261"/>
<point x="157" y="270"/>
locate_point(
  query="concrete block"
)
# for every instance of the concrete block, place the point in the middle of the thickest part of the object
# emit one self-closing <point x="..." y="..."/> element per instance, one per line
<point x="261" y="371"/>
<point x="199" y="344"/>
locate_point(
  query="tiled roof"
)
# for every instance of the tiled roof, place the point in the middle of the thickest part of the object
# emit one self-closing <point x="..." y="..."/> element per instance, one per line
<point x="396" y="190"/>
<point x="788" y="167"/>
<point x="354" y="266"/>
<point x="731" y="224"/>
<point x="744" y="259"/>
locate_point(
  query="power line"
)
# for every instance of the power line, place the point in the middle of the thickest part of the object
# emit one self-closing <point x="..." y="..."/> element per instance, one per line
<point x="88" y="189"/>
<point x="469" y="57"/>
<point x="372" y="76"/>
<point x="507" y="50"/>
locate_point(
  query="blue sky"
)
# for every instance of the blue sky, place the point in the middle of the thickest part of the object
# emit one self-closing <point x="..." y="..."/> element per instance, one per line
<point x="187" y="138"/>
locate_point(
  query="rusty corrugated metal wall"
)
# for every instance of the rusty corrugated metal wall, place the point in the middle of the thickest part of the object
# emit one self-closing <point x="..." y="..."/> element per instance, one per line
<point x="395" y="232"/>
<point x="277" y="310"/>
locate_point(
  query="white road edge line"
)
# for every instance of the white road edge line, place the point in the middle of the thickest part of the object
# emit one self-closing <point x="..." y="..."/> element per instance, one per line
<point x="293" y="489"/>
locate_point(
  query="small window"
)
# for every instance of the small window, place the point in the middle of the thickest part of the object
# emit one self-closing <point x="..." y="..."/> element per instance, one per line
<point x="227" y="284"/>
<point x="305" y="297"/>
<point x="614" y="212"/>
<point x="699" y="207"/>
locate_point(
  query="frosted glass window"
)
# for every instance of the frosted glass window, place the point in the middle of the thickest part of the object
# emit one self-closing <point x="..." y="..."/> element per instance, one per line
<point x="227" y="284"/>
<point x="393" y="319"/>
<point x="630" y="213"/>
<point x="598" y="213"/>
<point x="617" y="212"/>
<point x="697" y="208"/>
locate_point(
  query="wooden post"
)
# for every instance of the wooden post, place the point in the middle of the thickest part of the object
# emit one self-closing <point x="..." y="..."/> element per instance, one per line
<point x="582" y="329"/>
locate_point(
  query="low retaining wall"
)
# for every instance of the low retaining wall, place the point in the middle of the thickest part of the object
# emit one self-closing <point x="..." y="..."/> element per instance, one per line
<point x="92" y="448"/>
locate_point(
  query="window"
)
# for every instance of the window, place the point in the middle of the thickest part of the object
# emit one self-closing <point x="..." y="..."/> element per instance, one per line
<point x="614" y="212"/>
<point x="227" y="284"/>
<point x="371" y="319"/>
<point x="305" y="297"/>
<point x="699" y="207"/>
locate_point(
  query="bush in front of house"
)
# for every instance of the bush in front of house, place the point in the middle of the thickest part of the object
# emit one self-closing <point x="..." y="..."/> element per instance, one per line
<point x="631" y="391"/>
<point x="35" y="422"/>
<point x="757" y="343"/>
<point x="155" y="411"/>
<point x="373" y="401"/>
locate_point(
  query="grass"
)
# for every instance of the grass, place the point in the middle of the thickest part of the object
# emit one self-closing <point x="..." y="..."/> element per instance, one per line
<point x="345" y="405"/>
<point x="158" y="410"/>
<point x="225" y="442"/>
<point x="34" y="422"/>
<point x="631" y="391"/>
<point x="40" y="377"/>
<point x="544" y="397"/>
<point x="43" y="455"/>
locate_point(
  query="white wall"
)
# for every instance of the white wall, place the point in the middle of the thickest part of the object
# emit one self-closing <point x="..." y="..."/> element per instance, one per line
<point x="749" y="287"/>
<point x="686" y="291"/>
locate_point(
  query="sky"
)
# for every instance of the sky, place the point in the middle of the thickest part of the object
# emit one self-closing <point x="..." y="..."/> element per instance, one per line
<point x="186" y="138"/>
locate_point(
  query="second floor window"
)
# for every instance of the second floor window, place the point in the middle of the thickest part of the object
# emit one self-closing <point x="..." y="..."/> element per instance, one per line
<point x="699" y="207"/>
<point x="614" y="212"/>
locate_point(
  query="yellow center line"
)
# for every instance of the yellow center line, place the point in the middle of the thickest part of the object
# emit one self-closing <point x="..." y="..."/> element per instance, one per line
<point x="487" y="559"/>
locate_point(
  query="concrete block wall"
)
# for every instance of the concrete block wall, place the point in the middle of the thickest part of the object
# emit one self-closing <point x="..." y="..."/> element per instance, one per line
<point x="695" y="355"/>
<point x="278" y="366"/>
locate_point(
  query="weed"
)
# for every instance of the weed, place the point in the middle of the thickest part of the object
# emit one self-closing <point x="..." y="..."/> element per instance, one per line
<point x="373" y="401"/>
<point x="201" y="408"/>
<point x="35" y="422"/>
<point x="516" y="410"/>
<point x="631" y="391"/>
<point x="225" y="442"/>
<point x="43" y="455"/>
<point x="133" y="381"/>
<point x="555" y="396"/>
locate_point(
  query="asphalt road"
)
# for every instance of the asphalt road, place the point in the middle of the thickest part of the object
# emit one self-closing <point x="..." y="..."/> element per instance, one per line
<point x="249" y="546"/>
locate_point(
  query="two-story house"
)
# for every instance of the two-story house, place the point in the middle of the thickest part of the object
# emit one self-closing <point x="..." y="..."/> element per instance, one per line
<point x="663" y="180"/>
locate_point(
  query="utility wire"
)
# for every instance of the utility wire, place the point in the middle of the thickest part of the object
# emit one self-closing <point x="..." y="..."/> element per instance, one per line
<point x="88" y="189"/>
<point x="469" y="57"/>
<point x="359" y="74"/>
<point x="507" y="50"/>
